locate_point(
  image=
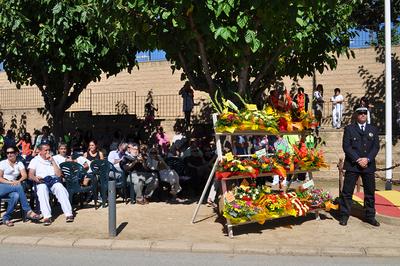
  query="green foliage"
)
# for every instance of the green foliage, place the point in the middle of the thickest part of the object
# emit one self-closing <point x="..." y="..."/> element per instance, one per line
<point x="62" y="46"/>
<point x="370" y="14"/>
<point x="245" y="46"/>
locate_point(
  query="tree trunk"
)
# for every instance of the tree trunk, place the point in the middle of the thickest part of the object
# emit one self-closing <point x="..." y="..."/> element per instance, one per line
<point x="58" y="123"/>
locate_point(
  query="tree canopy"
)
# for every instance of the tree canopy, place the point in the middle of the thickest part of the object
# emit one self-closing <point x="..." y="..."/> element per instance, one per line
<point x="62" y="46"/>
<point x="245" y="46"/>
<point x="370" y="14"/>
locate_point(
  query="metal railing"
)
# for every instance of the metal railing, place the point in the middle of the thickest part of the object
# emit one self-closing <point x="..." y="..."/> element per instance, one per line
<point x="105" y="103"/>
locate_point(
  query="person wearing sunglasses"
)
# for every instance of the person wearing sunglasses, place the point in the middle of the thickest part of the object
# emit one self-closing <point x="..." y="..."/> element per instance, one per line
<point x="10" y="186"/>
<point x="360" y="145"/>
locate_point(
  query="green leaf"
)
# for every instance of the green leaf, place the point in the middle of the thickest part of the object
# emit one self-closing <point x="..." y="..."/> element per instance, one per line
<point x="174" y="23"/>
<point x="223" y="32"/>
<point x="301" y="22"/>
<point x="255" y="45"/>
<point x="250" y="36"/>
<point x="226" y="8"/>
<point x="57" y="8"/>
<point x="165" y="14"/>
<point x="242" y="21"/>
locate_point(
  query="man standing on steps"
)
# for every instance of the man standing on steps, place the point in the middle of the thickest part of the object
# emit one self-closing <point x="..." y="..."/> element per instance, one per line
<point x="337" y="108"/>
<point x="360" y="145"/>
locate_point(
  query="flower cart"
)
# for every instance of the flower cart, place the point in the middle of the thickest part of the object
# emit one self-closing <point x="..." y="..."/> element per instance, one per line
<point x="250" y="202"/>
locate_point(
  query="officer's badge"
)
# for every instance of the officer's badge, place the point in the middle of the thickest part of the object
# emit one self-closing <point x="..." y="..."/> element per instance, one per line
<point x="371" y="134"/>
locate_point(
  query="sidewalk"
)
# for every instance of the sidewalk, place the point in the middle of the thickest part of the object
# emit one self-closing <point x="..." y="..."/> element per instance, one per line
<point x="163" y="226"/>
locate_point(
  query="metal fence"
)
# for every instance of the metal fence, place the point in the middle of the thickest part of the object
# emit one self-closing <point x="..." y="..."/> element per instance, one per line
<point x="106" y="103"/>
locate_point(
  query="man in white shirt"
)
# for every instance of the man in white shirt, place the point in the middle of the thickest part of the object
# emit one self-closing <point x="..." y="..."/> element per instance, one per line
<point x="44" y="171"/>
<point x="337" y="108"/>
<point x="62" y="154"/>
<point x="116" y="156"/>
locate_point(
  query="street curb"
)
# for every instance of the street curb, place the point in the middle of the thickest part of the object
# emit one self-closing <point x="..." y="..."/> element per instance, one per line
<point x="142" y="245"/>
<point x="56" y="242"/>
<point x="21" y="240"/>
<point x="201" y="247"/>
<point x="93" y="243"/>
<point x="212" y="248"/>
<point x="171" y="245"/>
<point x="343" y="252"/>
<point x="383" y="252"/>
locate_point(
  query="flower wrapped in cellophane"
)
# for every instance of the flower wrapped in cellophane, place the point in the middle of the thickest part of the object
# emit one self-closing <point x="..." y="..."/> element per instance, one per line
<point x="308" y="158"/>
<point x="232" y="119"/>
<point x="244" y="167"/>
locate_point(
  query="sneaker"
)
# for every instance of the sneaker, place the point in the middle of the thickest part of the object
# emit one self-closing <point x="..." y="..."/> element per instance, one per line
<point x="47" y="221"/>
<point x="69" y="219"/>
<point x="9" y="223"/>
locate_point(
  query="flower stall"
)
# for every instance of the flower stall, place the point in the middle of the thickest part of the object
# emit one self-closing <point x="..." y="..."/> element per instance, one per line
<point x="249" y="201"/>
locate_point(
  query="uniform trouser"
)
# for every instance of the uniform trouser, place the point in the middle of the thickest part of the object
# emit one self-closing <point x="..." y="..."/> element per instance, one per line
<point x="143" y="180"/>
<point x="346" y="197"/>
<point x="336" y="117"/>
<point x="61" y="194"/>
<point x="14" y="193"/>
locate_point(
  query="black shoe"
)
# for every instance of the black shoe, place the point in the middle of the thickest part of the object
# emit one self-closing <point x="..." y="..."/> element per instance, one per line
<point x="343" y="222"/>
<point x="373" y="222"/>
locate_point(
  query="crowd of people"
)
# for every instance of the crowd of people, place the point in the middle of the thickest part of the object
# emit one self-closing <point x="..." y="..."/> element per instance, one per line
<point x="180" y="166"/>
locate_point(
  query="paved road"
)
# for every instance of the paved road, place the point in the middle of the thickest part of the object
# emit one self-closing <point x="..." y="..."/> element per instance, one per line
<point x="19" y="255"/>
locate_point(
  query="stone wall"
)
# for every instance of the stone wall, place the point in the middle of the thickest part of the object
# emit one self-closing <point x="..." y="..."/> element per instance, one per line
<point x="157" y="76"/>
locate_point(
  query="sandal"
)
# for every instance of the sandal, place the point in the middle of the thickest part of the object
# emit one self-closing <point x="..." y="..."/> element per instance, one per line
<point x="31" y="215"/>
<point x="47" y="221"/>
<point x="9" y="223"/>
<point x="69" y="219"/>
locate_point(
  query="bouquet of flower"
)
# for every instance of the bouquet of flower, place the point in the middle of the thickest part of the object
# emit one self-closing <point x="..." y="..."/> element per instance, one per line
<point x="231" y="118"/>
<point x="228" y="121"/>
<point x="306" y="159"/>
<point x="265" y="164"/>
<point x="243" y="207"/>
<point x="227" y="168"/>
<point x="319" y="198"/>
<point x="276" y="205"/>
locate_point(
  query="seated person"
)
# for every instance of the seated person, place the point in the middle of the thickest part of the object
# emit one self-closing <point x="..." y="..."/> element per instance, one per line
<point x="115" y="156"/>
<point x="143" y="182"/>
<point x="10" y="170"/>
<point x="156" y="163"/>
<point x="93" y="153"/>
<point x="62" y="155"/>
<point x="197" y="168"/>
<point x="44" y="171"/>
<point x="85" y="180"/>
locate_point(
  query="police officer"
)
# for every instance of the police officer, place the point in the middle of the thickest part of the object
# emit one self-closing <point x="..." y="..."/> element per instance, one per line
<point x="360" y="145"/>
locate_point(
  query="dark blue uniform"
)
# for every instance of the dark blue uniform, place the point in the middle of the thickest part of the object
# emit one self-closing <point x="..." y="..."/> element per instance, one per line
<point x="358" y="144"/>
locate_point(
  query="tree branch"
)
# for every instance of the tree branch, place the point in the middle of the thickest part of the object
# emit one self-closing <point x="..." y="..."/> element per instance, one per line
<point x="203" y="56"/>
<point x="269" y="61"/>
<point x="186" y="69"/>
<point x="66" y="89"/>
<point x="244" y="72"/>
<point x="78" y="88"/>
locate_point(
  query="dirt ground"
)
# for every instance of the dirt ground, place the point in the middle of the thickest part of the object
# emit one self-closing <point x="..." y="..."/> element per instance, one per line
<point x="164" y="221"/>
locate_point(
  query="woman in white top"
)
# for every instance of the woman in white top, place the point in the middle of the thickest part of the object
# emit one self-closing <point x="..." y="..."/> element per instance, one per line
<point x="10" y="186"/>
